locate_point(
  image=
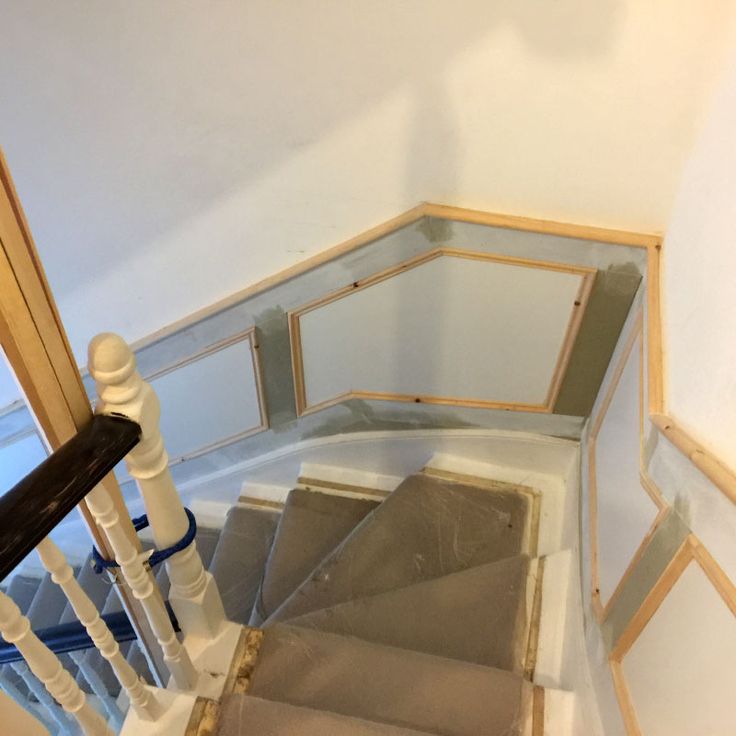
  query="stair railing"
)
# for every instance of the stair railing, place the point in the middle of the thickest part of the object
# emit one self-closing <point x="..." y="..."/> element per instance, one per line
<point x="28" y="512"/>
<point x="125" y="427"/>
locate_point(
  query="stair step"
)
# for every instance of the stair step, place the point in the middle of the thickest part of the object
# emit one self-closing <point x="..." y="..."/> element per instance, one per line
<point x="22" y="590"/>
<point x="479" y="615"/>
<point x="97" y="587"/>
<point x="48" y="605"/>
<point x="394" y="686"/>
<point x="312" y="524"/>
<point x="240" y="558"/>
<point x="428" y="527"/>
<point x="244" y="715"/>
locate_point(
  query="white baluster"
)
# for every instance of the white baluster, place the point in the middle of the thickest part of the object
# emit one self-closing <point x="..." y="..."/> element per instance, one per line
<point x="55" y="562"/>
<point x="194" y="595"/>
<point x="16" y="629"/>
<point x="45" y="701"/>
<point x="142" y="584"/>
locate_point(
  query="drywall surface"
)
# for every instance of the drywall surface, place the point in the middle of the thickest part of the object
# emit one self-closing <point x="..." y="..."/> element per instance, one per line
<point x="691" y="639"/>
<point x="698" y="284"/>
<point x="168" y="155"/>
<point x="671" y="672"/>
<point x="623" y="506"/>
<point x="453" y="327"/>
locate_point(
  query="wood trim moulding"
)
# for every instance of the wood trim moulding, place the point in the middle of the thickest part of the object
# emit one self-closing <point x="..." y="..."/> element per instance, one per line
<point x="580" y="304"/>
<point x="545" y="227"/>
<point x="600" y="608"/>
<point x="411" y="216"/>
<point x="691" y="550"/>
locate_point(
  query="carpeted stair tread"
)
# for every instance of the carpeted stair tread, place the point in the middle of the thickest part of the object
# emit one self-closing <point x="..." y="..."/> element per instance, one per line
<point x="97" y="587"/>
<point x="22" y="590"/>
<point x="247" y="716"/>
<point x="312" y="524"/>
<point x="240" y="557"/>
<point x="48" y="605"/>
<point x="428" y="527"/>
<point x="478" y="615"/>
<point x="394" y="686"/>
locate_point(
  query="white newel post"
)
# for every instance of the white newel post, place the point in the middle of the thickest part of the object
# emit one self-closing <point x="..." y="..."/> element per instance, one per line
<point x="141" y="698"/>
<point x="16" y="629"/>
<point x="194" y="595"/>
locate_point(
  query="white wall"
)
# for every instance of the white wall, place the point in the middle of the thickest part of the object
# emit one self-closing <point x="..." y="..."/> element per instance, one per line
<point x="699" y="293"/>
<point x="168" y="154"/>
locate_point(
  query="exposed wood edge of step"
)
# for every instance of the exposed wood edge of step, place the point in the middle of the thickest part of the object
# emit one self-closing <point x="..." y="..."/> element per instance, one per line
<point x="206" y="713"/>
<point x="347" y="478"/>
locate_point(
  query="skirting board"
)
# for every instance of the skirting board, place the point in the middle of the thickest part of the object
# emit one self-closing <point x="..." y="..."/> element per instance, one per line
<point x="392" y="453"/>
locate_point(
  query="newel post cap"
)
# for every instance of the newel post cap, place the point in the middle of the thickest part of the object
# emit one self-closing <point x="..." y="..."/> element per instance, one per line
<point x="110" y="359"/>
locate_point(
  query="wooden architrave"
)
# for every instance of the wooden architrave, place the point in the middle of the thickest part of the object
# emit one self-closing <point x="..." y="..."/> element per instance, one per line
<point x="600" y="608"/>
<point x="38" y="351"/>
<point x="249" y="336"/>
<point x="690" y="550"/>
<point x="581" y="301"/>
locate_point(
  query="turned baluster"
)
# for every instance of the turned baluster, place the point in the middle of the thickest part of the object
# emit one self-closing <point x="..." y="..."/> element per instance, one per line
<point x="16" y="629"/>
<point x="141" y="698"/>
<point x="132" y="566"/>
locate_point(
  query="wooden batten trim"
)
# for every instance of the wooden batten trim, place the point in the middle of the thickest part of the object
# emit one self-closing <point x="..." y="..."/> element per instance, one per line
<point x="545" y="227"/>
<point x="309" y="264"/>
<point x="655" y="346"/>
<point x="426" y="209"/>
<point x="690" y="550"/>
<point x="719" y="474"/>
<point x="250" y="336"/>
<point x="586" y="274"/>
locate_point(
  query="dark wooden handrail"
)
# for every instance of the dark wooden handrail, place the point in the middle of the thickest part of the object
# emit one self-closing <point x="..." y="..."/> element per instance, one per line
<point x="35" y="505"/>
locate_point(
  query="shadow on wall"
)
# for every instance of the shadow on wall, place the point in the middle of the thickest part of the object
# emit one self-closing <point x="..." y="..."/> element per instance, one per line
<point x="131" y="119"/>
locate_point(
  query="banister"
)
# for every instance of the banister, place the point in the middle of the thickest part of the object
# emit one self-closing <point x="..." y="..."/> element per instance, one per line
<point x="35" y="505"/>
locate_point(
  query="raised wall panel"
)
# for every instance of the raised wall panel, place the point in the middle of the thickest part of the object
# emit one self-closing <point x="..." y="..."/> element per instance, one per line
<point x="625" y="507"/>
<point x="472" y="330"/>
<point x="210" y="400"/>
<point x="18" y="458"/>
<point x="679" y="669"/>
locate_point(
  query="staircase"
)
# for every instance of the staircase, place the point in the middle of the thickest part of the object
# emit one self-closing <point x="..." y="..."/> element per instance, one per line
<point x="415" y="612"/>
